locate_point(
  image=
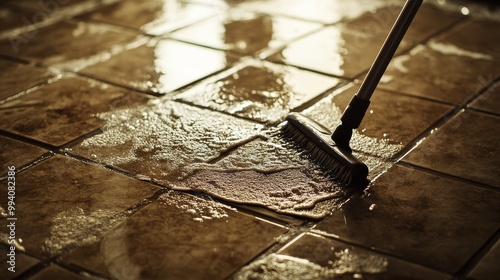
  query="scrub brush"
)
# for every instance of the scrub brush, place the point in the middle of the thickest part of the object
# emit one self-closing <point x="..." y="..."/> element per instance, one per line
<point x="331" y="150"/>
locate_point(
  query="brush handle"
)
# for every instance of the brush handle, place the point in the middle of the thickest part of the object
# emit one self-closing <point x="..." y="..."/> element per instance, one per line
<point x="388" y="49"/>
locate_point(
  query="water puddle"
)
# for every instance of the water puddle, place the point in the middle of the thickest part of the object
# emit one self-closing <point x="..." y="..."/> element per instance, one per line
<point x="474" y="9"/>
<point x="449" y="49"/>
<point x="74" y="227"/>
<point x="347" y="263"/>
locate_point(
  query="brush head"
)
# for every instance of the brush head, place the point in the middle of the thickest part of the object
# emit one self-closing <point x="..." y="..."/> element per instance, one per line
<point x="315" y="139"/>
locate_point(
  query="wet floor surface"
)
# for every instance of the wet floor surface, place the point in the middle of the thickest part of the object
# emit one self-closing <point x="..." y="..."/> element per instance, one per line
<point x="145" y="137"/>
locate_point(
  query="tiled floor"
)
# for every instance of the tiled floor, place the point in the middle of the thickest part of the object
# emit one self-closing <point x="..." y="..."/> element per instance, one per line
<point x="144" y="137"/>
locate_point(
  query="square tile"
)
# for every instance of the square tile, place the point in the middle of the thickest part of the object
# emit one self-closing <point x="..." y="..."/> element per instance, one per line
<point x="466" y="147"/>
<point x="170" y="239"/>
<point x="23" y="262"/>
<point x="57" y="272"/>
<point x="487" y="268"/>
<point x="151" y="16"/>
<point x="260" y="91"/>
<point x="489" y="100"/>
<point x="159" y="66"/>
<point x="62" y="204"/>
<point x="63" y="110"/>
<point x="15" y="77"/>
<point x="431" y="72"/>
<point x="473" y="38"/>
<point x="159" y="140"/>
<point x="424" y="216"/>
<point x="391" y="122"/>
<point x="65" y="41"/>
<point x="16" y="153"/>
<point x="311" y="256"/>
<point x="246" y="33"/>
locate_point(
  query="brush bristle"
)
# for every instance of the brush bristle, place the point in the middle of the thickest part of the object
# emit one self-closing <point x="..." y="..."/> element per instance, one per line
<point x="312" y="138"/>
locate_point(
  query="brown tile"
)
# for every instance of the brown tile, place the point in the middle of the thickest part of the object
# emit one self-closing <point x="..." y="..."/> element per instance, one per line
<point x="422" y="218"/>
<point x="264" y="92"/>
<point x="391" y="122"/>
<point x="65" y="41"/>
<point x="159" y="66"/>
<point x="487" y="268"/>
<point x="311" y="256"/>
<point x="57" y="272"/>
<point x="465" y="147"/>
<point x="474" y="38"/>
<point x="61" y="111"/>
<point x="489" y="100"/>
<point x="151" y="16"/>
<point x="440" y="75"/>
<point x="22" y="262"/>
<point x="244" y="32"/>
<point x="51" y="8"/>
<point x="170" y="239"/>
<point x="12" y="18"/>
<point x="15" y="77"/>
<point x="16" y="153"/>
<point x="162" y="138"/>
<point x="62" y="203"/>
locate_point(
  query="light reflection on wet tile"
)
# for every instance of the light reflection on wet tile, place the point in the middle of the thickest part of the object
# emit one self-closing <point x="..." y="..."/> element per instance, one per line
<point x="465" y="147"/>
<point x="68" y="105"/>
<point x="160" y="139"/>
<point x="162" y="240"/>
<point x="11" y="18"/>
<point x="424" y="215"/>
<point x="16" y="153"/>
<point x="151" y="16"/>
<point x="489" y="100"/>
<point x="421" y="73"/>
<point x="64" y="41"/>
<point x="311" y="256"/>
<point x="263" y="92"/>
<point x="16" y="77"/>
<point x="75" y="203"/>
<point x="245" y="32"/>
<point x="159" y="66"/>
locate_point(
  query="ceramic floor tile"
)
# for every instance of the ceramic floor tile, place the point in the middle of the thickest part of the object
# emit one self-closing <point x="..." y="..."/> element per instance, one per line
<point x="391" y="122"/>
<point x="179" y="237"/>
<point x="264" y="92"/>
<point x="244" y="32"/>
<point x="59" y="6"/>
<point x="311" y="256"/>
<point x="22" y="261"/>
<point x="487" y="268"/>
<point x="433" y="73"/>
<point x="59" y="112"/>
<point x="16" y="153"/>
<point x="159" y="66"/>
<point x="465" y="147"/>
<point x="425" y="216"/>
<point x="12" y="18"/>
<point x="65" y="41"/>
<point x="472" y="38"/>
<point x="15" y="77"/>
<point x="62" y="203"/>
<point x="57" y="272"/>
<point x="162" y="138"/>
<point x="489" y="100"/>
<point x="151" y="16"/>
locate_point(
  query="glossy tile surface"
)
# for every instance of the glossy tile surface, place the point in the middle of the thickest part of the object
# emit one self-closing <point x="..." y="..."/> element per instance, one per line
<point x="489" y="100"/>
<point x="263" y="92"/>
<point x="155" y="67"/>
<point x="487" y="268"/>
<point x="75" y="203"/>
<point x="11" y="19"/>
<point x="15" y="77"/>
<point x="169" y="239"/>
<point x="65" y="41"/>
<point x="151" y="16"/>
<point x="16" y="153"/>
<point x="69" y="104"/>
<point x="473" y="134"/>
<point x="423" y="214"/>
<point x="245" y="32"/>
<point x="311" y="256"/>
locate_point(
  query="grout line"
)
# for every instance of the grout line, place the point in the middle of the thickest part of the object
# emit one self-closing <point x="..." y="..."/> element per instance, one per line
<point x="476" y="258"/>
